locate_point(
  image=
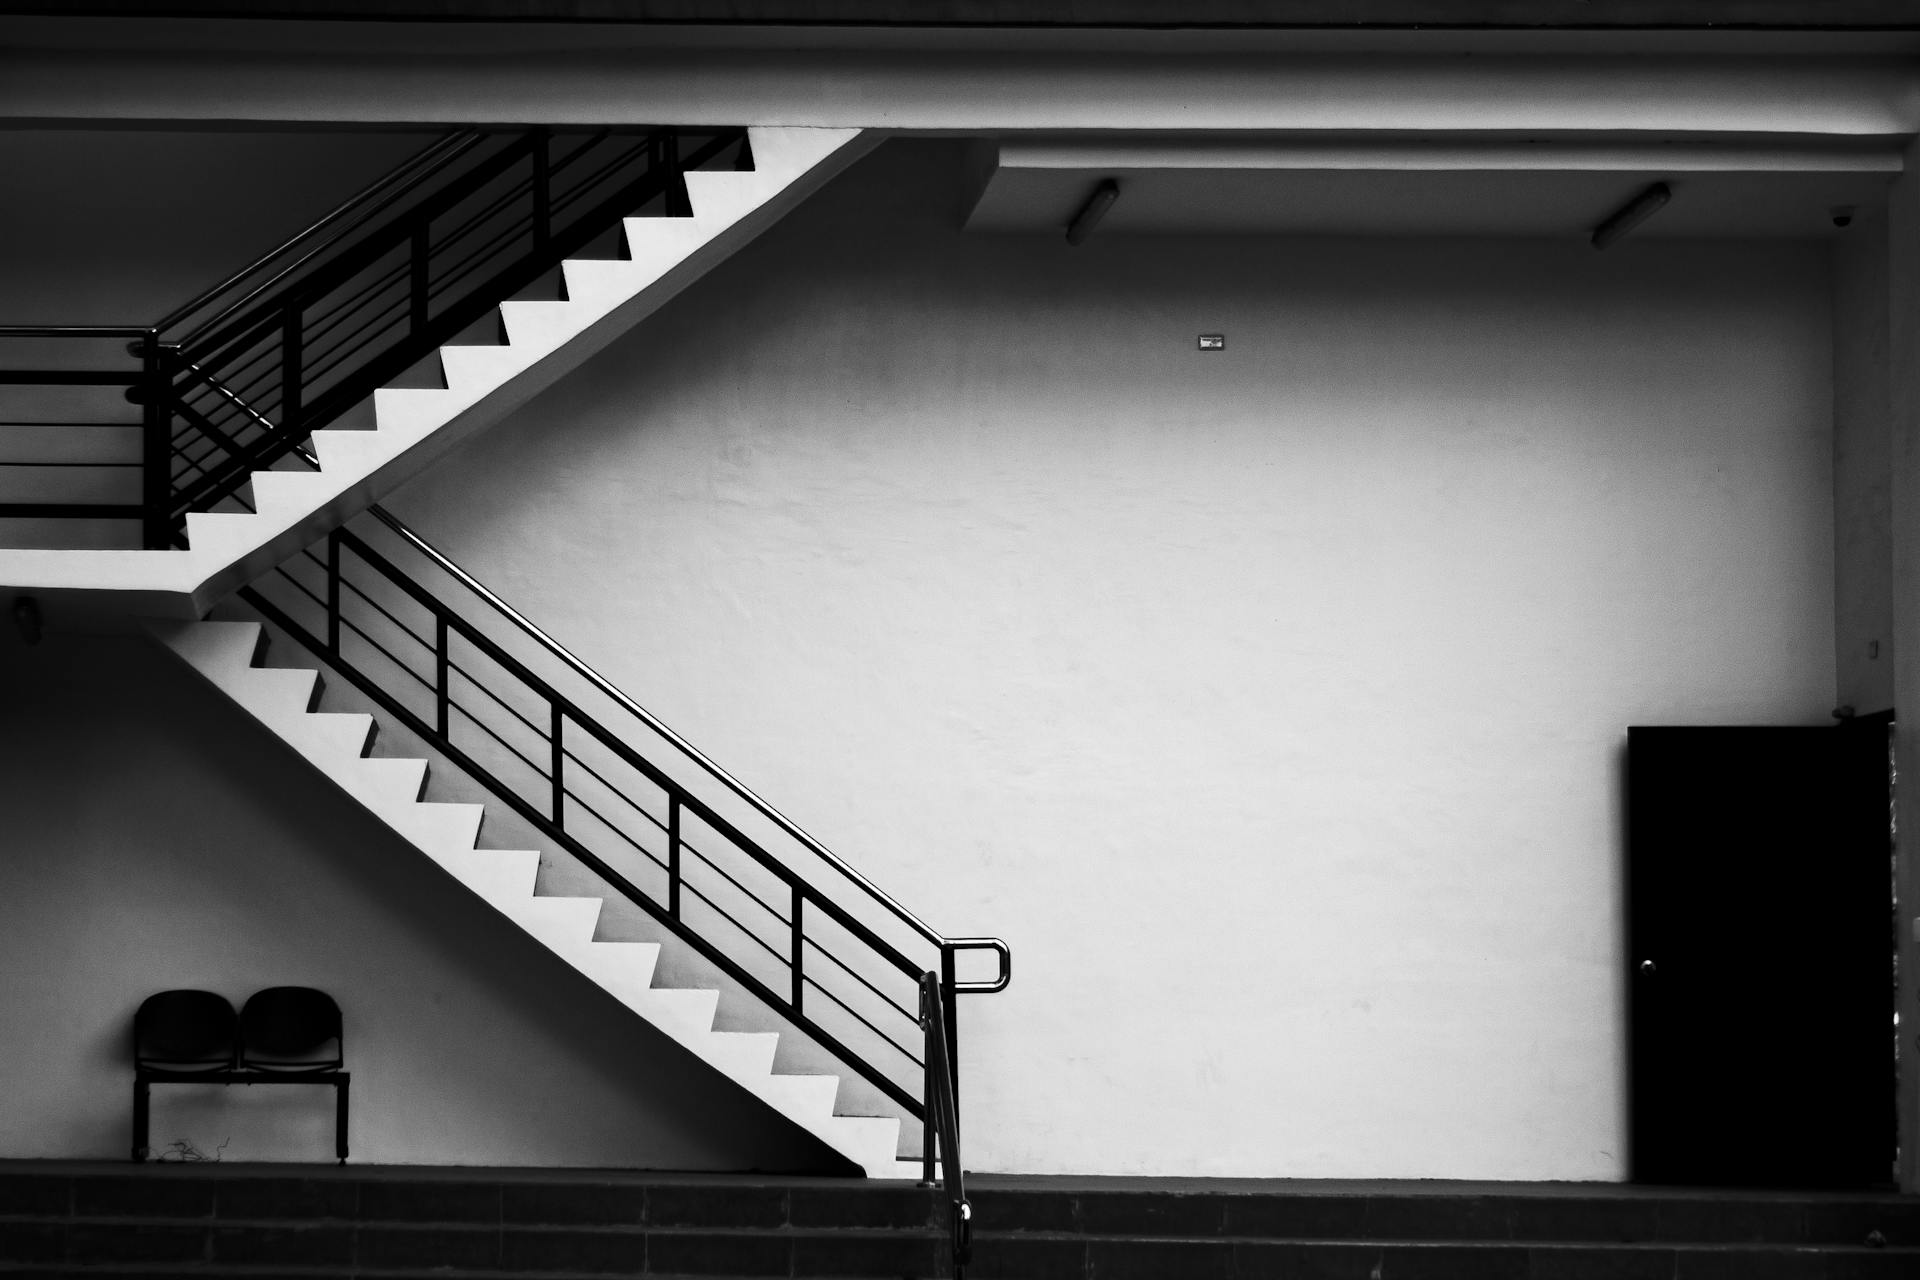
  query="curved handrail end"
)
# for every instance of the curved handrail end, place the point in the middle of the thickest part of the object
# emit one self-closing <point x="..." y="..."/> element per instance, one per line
<point x="995" y="945"/>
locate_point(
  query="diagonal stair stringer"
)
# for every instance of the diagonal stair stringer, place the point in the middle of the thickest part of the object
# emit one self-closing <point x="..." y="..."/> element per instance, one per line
<point x="416" y="426"/>
<point x="281" y="699"/>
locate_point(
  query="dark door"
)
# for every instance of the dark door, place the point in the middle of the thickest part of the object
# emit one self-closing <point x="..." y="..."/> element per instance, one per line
<point x="1760" y="946"/>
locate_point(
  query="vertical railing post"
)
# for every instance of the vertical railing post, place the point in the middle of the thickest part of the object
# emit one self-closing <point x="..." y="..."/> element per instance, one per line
<point x="333" y="593"/>
<point x="948" y="1006"/>
<point x="929" y="1063"/>
<point x="559" y="785"/>
<point x="673" y="855"/>
<point x="542" y="189"/>
<point x="417" y="280"/>
<point x="291" y="365"/>
<point x="156" y="436"/>
<point x="442" y="669"/>
<point x="798" y="937"/>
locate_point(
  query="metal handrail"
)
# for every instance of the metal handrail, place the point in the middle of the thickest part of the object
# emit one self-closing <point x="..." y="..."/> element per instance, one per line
<point x="362" y="204"/>
<point x="547" y="816"/>
<point x="699" y="757"/>
<point x="74" y="331"/>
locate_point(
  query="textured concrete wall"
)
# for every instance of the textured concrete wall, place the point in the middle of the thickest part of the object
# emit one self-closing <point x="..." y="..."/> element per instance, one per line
<point x="1269" y="702"/>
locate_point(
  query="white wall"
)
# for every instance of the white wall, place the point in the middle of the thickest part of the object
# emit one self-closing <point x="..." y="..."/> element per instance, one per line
<point x="1269" y="703"/>
<point x="158" y="838"/>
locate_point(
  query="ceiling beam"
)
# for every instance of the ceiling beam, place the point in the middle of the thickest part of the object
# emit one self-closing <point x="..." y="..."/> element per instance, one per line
<point x="1512" y="15"/>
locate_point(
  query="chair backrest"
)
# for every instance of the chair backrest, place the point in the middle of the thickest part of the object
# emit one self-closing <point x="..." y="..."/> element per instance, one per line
<point x="291" y="1028"/>
<point x="185" y="1030"/>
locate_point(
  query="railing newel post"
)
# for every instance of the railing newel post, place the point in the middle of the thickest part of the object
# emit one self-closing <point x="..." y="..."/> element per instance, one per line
<point x="799" y="935"/>
<point x="442" y="673"/>
<point x="673" y="854"/>
<point x="929" y="1063"/>
<point x="949" y="1006"/>
<point x="156" y="445"/>
<point x="559" y="754"/>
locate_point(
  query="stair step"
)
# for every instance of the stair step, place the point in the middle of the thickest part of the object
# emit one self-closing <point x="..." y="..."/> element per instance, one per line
<point x="436" y="828"/>
<point x="565" y="925"/>
<point x="331" y="735"/>
<point x="276" y="691"/>
<point x="622" y="968"/>
<point x="498" y="875"/>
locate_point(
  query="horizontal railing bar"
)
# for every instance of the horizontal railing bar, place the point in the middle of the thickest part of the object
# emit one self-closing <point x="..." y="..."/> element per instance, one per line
<point x="762" y="903"/>
<point x="77" y="465"/>
<point x="474" y="681"/>
<point x="615" y="791"/>
<point x="74" y="331"/>
<point x="84" y="426"/>
<point x="728" y="916"/>
<point x="905" y="1052"/>
<point x="609" y="824"/>
<point x="75" y="510"/>
<point x="487" y="729"/>
<point x="302" y="588"/>
<point x="70" y="378"/>
<point x="861" y="979"/>
<point x="364" y="252"/>
<point x="405" y="630"/>
<point x="427" y="162"/>
<point x="387" y="653"/>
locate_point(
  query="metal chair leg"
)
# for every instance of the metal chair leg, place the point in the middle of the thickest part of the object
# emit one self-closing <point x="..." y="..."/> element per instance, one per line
<point x="340" y="1116"/>
<point x="140" y="1091"/>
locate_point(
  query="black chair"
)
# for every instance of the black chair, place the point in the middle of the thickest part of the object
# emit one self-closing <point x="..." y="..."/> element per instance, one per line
<point x="283" y="1035"/>
<point x="180" y="1037"/>
<point x="293" y="1035"/>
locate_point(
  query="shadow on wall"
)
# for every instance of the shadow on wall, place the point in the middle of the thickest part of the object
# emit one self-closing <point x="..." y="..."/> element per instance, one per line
<point x="158" y="839"/>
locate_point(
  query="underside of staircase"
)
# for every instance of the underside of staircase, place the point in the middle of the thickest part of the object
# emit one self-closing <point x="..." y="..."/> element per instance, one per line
<point x="412" y="427"/>
<point x="282" y="700"/>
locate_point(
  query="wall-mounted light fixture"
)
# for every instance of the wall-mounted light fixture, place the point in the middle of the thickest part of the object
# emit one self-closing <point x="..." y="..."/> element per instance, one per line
<point x="1093" y="210"/>
<point x="1632" y="214"/>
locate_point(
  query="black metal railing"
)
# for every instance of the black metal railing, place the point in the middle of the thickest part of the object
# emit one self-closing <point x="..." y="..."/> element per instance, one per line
<point x="804" y="931"/>
<point x="943" y="1120"/>
<point x="233" y="381"/>
<point x="72" y="444"/>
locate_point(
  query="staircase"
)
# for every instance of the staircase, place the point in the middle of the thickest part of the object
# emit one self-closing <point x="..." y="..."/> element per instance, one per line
<point x="409" y="426"/>
<point x="226" y="655"/>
